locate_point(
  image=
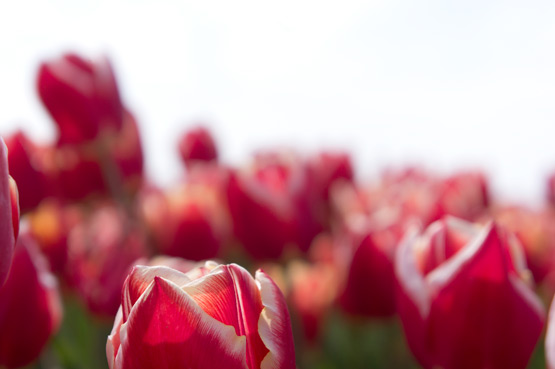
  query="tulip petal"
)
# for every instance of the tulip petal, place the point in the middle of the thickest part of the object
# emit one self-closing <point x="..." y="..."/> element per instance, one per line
<point x="230" y="295"/>
<point x="138" y="281"/>
<point x="550" y="338"/>
<point x="166" y="329"/>
<point x="113" y="343"/>
<point x="274" y="326"/>
<point x="7" y="215"/>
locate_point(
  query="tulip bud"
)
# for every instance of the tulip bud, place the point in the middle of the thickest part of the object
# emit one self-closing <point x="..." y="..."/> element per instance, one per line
<point x="30" y="307"/>
<point x="81" y="96"/>
<point x="197" y="145"/>
<point x="9" y="215"/>
<point x="463" y="297"/>
<point x="218" y="317"/>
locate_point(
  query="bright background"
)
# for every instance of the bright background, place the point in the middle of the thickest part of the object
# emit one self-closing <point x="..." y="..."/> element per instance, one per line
<point x="452" y="84"/>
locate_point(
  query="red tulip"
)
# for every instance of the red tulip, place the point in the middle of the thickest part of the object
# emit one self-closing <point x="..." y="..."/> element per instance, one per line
<point x="463" y="297"/>
<point x="9" y="215"/>
<point x="218" y="317"/>
<point x="81" y="95"/>
<point x="190" y="221"/>
<point x="28" y="167"/>
<point x="197" y="145"/>
<point x="30" y="307"/>
<point x="262" y="205"/>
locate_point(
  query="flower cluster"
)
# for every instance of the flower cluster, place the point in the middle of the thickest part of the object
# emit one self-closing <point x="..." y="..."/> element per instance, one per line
<point x="412" y="269"/>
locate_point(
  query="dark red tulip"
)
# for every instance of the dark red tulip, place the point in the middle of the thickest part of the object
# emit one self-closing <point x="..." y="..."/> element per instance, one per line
<point x="197" y="145"/>
<point x="216" y="317"/>
<point x="30" y="307"/>
<point x="463" y="297"/>
<point x="81" y="96"/>
<point x="9" y="215"/>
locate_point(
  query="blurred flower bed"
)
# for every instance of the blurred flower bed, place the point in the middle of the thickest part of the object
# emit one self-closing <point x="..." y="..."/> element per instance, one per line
<point x="411" y="270"/>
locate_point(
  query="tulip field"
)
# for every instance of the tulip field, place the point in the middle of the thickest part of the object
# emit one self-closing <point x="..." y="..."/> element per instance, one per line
<point x="285" y="261"/>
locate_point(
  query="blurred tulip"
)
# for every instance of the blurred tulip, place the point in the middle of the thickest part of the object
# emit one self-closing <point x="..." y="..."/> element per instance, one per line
<point x="9" y="215"/>
<point x="110" y="166"/>
<point x="219" y="317"/>
<point x="463" y="297"/>
<point x="370" y="286"/>
<point x="81" y="96"/>
<point x="190" y="221"/>
<point x="314" y="288"/>
<point x="28" y="167"/>
<point x="101" y="252"/>
<point x="50" y="225"/>
<point x="262" y="205"/>
<point x="536" y="232"/>
<point x="464" y="195"/>
<point x="30" y="307"/>
<point x="197" y="145"/>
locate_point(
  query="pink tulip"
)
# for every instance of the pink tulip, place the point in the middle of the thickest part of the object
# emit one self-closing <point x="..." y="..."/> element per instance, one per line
<point x="463" y="297"/>
<point x="212" y="317"/>
<point x="30" y="307"/>
<point x="9" y="215"/>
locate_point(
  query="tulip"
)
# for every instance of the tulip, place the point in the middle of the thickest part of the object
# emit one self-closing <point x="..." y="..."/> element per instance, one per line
<point x="29" y="168"/>
<point x="101" y="252"/>
<point x="190" y="221"/>
<point x="464" y="195"/>
<point x="463" y="297"/>
<point x="81" y="96"/>
<point x="262" y="205"/>
<point x="30" y="307"/>
<point x="216" y="317"/>
<point x="197" y="145"/>
<point x="9" y="215"/>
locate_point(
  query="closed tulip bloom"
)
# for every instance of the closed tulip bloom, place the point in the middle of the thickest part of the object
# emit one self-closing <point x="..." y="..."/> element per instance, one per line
<point x="30" y="307"/>
<point x="463" y="297"/>
<point x="215" y="316"/>
<point x="81" y="96"/>
<point x="9" y="215"/>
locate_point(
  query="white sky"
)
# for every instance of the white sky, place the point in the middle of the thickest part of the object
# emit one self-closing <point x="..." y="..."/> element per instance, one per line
<point x="448" y="83"/>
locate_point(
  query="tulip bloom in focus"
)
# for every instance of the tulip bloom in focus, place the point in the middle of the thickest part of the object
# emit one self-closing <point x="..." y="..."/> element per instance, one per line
<point x="463" y="297"/>
<point x="215" y="316"/>
<point x="9" y="215"/>
<point x="30" y="307"/>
